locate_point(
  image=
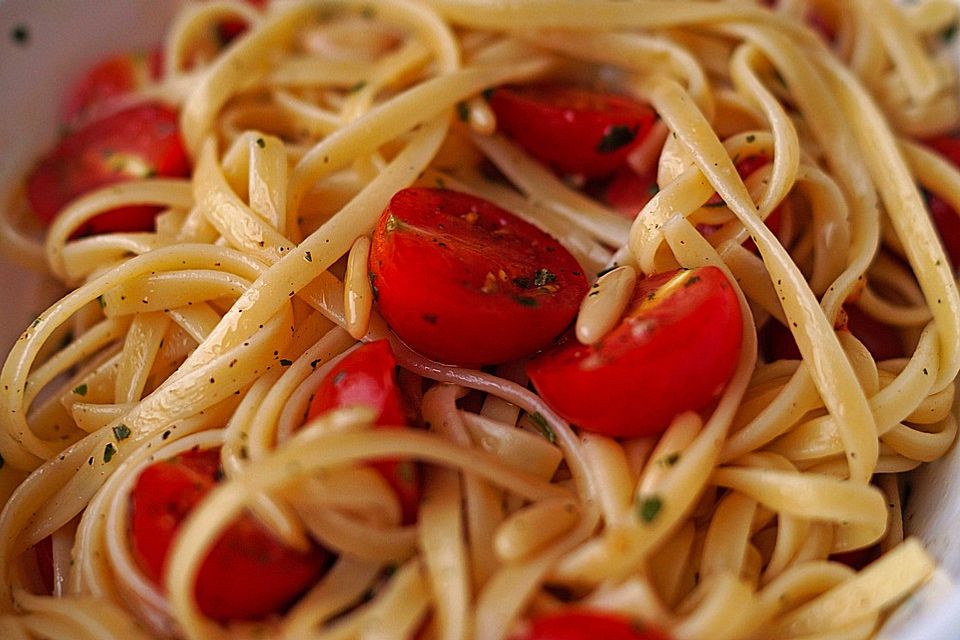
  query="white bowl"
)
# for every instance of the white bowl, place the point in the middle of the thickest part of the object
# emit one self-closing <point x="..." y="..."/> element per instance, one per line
<point x="66" y="37"/>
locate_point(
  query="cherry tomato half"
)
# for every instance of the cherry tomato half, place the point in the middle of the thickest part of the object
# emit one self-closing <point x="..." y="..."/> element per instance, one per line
<point x="109" y="79"/>
<point x="465" y="282"/>
<point x="628" y="191"/>
<point x="248" y="574"/>
<point x="139" y="142"/>
<point x="574" y="130"/>
<point x="367" y="376"/>
<point x="586" y="625"/>
<point x="674" y="351"/>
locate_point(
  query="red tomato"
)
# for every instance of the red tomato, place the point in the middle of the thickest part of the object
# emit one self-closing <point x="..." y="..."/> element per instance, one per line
<point x="248" y="574"/>
<point x="586" y="625"/>
<point x="945" y="218"/>
<point x="111" y="78"/>
<point x="367" y="377"/>
<point x="574" y="130"/>
<point x="228" y="30"/>
<point x="629" y="192"/>
<point x="881" y="340"/>
<point x="44" y="551"/>
<point x="674" y="351"/>
<point x="139" y="142"/>
<point x="465" y="282"/>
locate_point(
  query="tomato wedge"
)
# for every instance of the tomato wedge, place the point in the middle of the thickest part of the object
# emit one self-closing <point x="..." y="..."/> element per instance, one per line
<point x="109" y="79"/>
<point x="574" y="130"/>
<point x="586" y="625"/>
<point x="465" y="282"/>
<point x="674" y="350"/>
<point x="249" y="574"/>
<point x="139" y="142"/>
<point x="367" y="376"/>
<point x="628" y="191"/>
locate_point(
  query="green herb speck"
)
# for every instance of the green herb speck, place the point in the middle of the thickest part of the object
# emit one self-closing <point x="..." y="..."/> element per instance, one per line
<point x="80" y="390"/>
<point x="543" y="277"/>
<point x="261" y="143"/>
<point x="648" y="508"/>
<point x="616" y="136"/>
<point x="108" y="452"/>
<point x="543" y="427"/>
<point x="121" y="432"/>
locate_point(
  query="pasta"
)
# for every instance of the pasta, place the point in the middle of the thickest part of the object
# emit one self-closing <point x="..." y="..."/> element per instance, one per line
<point x="215" y="329"/>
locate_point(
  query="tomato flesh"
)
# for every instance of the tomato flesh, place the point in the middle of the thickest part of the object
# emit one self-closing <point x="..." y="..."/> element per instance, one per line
<point x="945" y="218"/>
<point x="586" y="625"/>
<point x="464" y="282"/>
<point x="574" y="130"/>
<point x="674" y="351"/>
<point x="111" y="78"/>
<point x="628" y="191"/>
<point x="367" y="377"/>
<point x="248" y="574"/>
<point x="139" y="142"/>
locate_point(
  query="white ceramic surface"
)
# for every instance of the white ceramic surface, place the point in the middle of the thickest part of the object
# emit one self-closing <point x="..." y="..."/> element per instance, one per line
<point x="66" y="36"/>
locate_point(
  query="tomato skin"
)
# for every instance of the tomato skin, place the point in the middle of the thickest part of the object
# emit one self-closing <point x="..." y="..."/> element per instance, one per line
<point x="465" y="282"/>
<point x="629" y="191"/>
<point x="367" y="377"/>
<point x="946" y="219"/>
<point x="111" y="78"/>
<point x="44" y="551"/>
<point x="670" y="353"/>
<point x="248" y="574"/>
<point x="574" y="130"/>
<point x="133" y="143"/>
<point x="586" y="625"/>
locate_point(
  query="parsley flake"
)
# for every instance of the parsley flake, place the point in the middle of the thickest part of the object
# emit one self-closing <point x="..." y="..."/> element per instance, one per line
<point x="121" y="432"/>
<point x="543" y="277"/>
<point x="543" y="427"/>
<point x="261" y="143"/>
<point x="108" y="452"/>
<point x="285" y="363"/>
<point x="648" y="508"/>
<point x="80" y="390"/>
<point x="308" y="256"/>
<point x="616" y="136"/>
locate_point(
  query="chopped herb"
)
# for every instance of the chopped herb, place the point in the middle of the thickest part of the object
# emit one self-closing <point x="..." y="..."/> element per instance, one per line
<point x="166" y="434"/>
<point x="691" y="281"/>
<point x="357" y="87"/>
<point x="543" y="427"/>
<point x="616" y="136"/>
<point x="441" y="184"/>
<point x="649" y="508"/>
<point x="653" y="189"/>
<point x="308" y="256"/>
<point x="487" y="94"/>
<point x="949" y="34"/>
<point x="593" y="293"/>
<point x="121" y="432"/>
<point x="715" y="205"/>
<point x="36" y="321"/>
<point x="463" y="111"/>
<point x="543" y="277"/>
<point x="103" y="303"/>
<point x="337" y="379"/>
<point x="372" y="277"/>
<point x="669" y="460"/>
<point x="285" y="363"/>
<point x="525" y="301"/>
<point x="261" y="143"/>
<point x="751" y="138"/>
<point x="20" y="34"/>
<point x="108" y="452"/>
<point x="368" y="12"/>
<point x="80" y="390"/>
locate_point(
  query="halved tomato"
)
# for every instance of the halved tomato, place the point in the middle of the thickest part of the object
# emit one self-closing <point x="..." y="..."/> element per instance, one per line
<point x="464" y="282"/>
<point x="674" y="350"/>
<point x="139" y="142"/>
<point x="115" y="76"/>
<point x="248" y="574"/>
<point x="574" y="130"/>
<point x="367" y="377"/>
